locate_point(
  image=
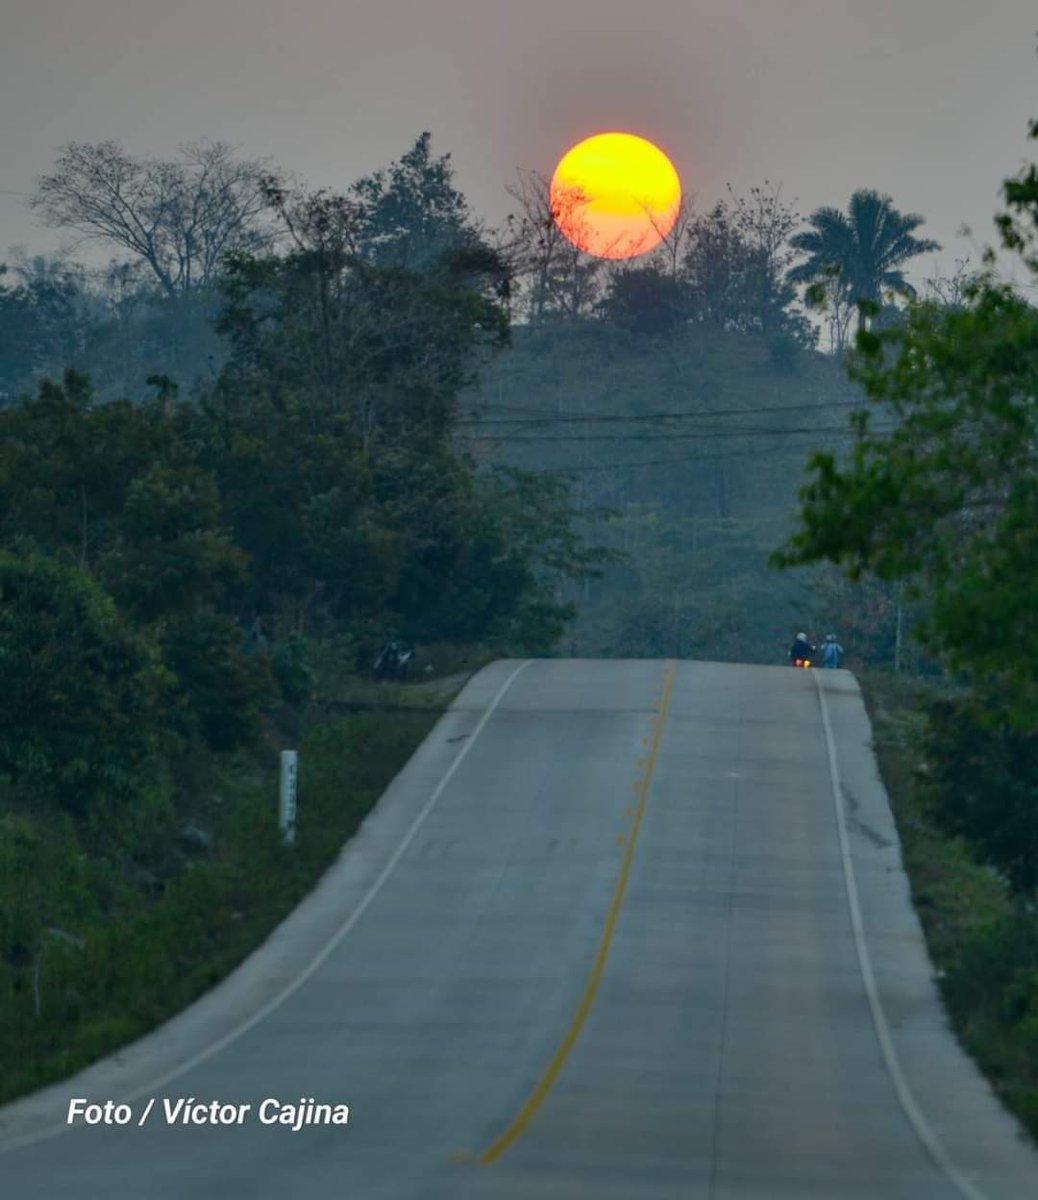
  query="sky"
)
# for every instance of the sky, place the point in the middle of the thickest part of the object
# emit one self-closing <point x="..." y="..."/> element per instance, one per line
<point x="927" y="100"/>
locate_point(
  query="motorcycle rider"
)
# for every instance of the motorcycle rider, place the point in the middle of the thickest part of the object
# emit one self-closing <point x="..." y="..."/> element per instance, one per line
<point x="802" y="648"/>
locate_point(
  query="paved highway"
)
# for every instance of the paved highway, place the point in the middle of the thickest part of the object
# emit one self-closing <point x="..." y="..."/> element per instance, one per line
<point x="624" y="930"/>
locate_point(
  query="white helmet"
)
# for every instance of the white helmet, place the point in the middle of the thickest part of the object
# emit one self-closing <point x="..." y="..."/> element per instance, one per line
<point x="801" y="637"/>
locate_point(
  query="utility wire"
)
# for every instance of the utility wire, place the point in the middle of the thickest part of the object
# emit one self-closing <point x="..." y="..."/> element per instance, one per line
<point x="678" y="460"/>
<point x="510" y="439"/>
<point x="543" y="418"/>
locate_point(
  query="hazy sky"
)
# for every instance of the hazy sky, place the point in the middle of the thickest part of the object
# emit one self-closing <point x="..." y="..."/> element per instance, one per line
<point x="925" y="99"/>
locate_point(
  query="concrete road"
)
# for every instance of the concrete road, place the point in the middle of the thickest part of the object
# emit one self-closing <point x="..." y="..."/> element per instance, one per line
<point x="622" y="930"/>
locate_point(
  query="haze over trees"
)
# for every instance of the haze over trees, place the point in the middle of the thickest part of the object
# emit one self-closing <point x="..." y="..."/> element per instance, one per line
<point x="284" y="423"/>
<point x="384" y="308"/>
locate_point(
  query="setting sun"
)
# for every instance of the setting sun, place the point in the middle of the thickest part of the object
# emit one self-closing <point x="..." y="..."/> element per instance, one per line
<point x="615" y="195"/>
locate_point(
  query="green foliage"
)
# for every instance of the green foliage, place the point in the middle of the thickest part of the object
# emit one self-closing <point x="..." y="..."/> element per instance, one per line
<point x="983" y="778"/>
<point x="291" y="664"/>
<point x="80" y="703"/>
<point x="224" y="690"/>
<point x="981" y="940"/>
<point x="381" y="310"/>
<point x="173" y="554"/>
<point x="113" y="488"/>
<point x="992" y="990"/>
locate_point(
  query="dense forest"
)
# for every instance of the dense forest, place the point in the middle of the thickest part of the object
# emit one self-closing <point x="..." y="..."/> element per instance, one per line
<point x="285" y="424"/>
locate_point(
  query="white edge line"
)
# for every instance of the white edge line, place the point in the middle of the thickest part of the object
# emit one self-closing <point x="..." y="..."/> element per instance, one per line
<point x="905" y="1098"/>
<point x="319" y="958"/>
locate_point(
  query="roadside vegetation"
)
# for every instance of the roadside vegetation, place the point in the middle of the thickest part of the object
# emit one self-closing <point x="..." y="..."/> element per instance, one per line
<point x="119" y="929"/>
<point x="191" y="582"/>
<point x="939" y="494"/>
<point x="982" y="935"/>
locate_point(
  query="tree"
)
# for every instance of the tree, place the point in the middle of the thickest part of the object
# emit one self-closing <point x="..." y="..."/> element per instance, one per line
<point x="735" y="265"/>
<point x="765" y="222"/>
<point x="645" y="300"/>
<point x="861" y="252"/>
<point x="46" y="311"/>
<point x="666" y="257"/>
<point x="410" y="215"/>
<point x="180" y="217"/>
<point x="387" y="346"/>
<point x="716" y="266"/>
<point x="173" y="554"/>
<point x="113" y="489"/>
<point x="948" y="499"/>
<point x="557" y="277"/>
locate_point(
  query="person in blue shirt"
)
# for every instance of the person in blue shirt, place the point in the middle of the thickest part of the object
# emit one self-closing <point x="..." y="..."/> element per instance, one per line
<point x="832" y="651"/>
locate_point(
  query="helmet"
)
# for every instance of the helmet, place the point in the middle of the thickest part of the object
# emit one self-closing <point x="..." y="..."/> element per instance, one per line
<point x="830" y="637"/>
<point x="801" y="637"/>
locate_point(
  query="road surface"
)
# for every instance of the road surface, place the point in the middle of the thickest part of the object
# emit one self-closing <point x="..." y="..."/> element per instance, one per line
<point x="627" y="930"/>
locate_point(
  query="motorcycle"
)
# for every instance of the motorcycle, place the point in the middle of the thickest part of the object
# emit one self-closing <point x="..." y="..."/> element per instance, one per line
<point x="802" y="654"/>
<point x="394" y="661"/>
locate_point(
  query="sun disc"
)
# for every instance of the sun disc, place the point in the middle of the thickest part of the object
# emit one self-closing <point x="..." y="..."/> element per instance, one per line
<point x="615" y="195"/>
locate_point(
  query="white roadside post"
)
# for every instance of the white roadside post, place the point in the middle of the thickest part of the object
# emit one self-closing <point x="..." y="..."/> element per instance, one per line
<point x="287" y="797"/>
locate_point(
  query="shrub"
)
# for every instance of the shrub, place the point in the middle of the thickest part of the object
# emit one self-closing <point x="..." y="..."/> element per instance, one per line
<point x="983" y="783"/>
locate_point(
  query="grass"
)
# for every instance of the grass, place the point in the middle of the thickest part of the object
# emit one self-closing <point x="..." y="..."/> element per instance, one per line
<point x="131" y="960"/>
<point x="983" y="941"/>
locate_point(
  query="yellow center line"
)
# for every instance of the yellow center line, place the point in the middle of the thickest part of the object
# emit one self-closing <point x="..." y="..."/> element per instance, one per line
<point x="537" y="1097"/>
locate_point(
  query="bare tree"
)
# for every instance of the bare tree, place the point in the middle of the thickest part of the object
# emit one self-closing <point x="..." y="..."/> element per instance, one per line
<point x="667" y="255"/>
<point x="766" y="222"/>
<point x="951" y="291"/>
<point x="558" y="275"/>
<point x="828" y="296"/>
<point x="180" y="217"/>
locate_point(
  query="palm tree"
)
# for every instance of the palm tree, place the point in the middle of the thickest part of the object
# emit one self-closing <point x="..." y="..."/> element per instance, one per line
<point x="861" y="252"/>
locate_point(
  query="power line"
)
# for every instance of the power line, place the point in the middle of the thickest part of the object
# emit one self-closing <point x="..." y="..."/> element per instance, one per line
<point x="750" y="431"/>
<point x="678" y="460"/>
<point x="542" y="418"/>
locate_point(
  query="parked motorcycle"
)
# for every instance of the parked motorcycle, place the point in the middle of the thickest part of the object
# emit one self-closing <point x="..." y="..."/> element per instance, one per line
<point x="395" y="660"/>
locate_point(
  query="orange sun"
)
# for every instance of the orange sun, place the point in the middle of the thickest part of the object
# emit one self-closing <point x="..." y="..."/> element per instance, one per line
<point x="615" y="195"/>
